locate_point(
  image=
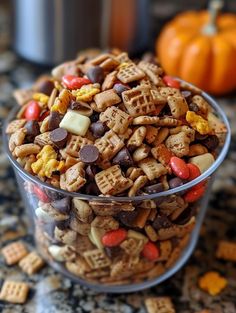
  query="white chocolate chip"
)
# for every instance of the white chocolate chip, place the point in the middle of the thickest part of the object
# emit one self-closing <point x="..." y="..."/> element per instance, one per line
<point x="203" y="161"/>
<point x="75" y="123"/>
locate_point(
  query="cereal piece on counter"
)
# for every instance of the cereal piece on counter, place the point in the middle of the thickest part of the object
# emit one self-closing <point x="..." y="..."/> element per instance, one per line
<point x="14" y="252"/>
<point x="14" y="292"/>
<point x="203" y="161"/>
<point x="178" y="144"/>
<point x="106" y="99"/>
<point x="75" y="123"/>
<point x="73" y="179"/>
<point x="109" y="145"/>
<point x="137" y="138"/>
<point x="139" y="101"/>
<point x="159" y="305"/>
<point x="178" y="106"/>
<point x="151" y="70"/>
<point x="212" y="282"/>
<point x="198" y="123"/>
<point x="86" y="92"/>
<point x="31" y="263"/>
<point x="129" y="73"/>
<point x="151" y="168"/>
<point x="111" y="181"/>
<point x="62" y="101"/>
<point x="17" y="139"/>
<point x="226" y="250"/>
<point x="96" y="259"/>
<point x="116" y="119"/>
<point x="15" y="125"/>
<point x="75" y="143"/>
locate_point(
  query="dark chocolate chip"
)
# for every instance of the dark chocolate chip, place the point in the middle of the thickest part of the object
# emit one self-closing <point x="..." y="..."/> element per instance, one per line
<point x="193" y="107"/>
<point x="59" y="137"/>
<point x="211" y="142"/>
<point x="127" y="218"/>
<point x="98" y="129"/>
<point x="123" y="158"/>
<point x="119" y="88"/>
<point x="187" y="95"/>
<point x="89" y="154"/>
<point x="113" y="252"/>
<point x="154" y="188"/>
<point x="91" y="171"/>
<point x="175" y="182"/>
<point x="53" y="195"/>
<point x="54" y="120"/>
<point x="77" y="105"/>
<point x="94" y="117"/>
<point x="92" y="189"/>
<point x="95" y="74"/>
<point x="46" y="87"/>
<point x="161" y="221"/>
<point x="62" y="205"/>
<point x="32" y="129"/>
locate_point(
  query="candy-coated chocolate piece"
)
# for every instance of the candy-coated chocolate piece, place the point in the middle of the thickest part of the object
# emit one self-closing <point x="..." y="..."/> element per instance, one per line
<point x="171" y="82"/>
<point x="32" y="111"/>
<point x="194" y="193"/>
<point x="74" y="82"/>
<point x="179" y="167"/>
<point x="114" y="237"/>
<point x="150" y="251"/>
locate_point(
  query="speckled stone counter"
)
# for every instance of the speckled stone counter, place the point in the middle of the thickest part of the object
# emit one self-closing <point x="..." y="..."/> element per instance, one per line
<point x="51" y="292"/>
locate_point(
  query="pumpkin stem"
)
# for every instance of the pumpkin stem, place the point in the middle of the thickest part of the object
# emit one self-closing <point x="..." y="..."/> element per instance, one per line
<point x="214" y="8"/>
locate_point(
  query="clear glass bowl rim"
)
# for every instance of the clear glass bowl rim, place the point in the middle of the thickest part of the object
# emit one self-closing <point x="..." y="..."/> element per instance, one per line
<point x="184" y="187"/>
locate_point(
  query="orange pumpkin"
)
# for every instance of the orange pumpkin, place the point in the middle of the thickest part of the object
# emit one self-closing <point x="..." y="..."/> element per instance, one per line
<point x="200" y="47"/>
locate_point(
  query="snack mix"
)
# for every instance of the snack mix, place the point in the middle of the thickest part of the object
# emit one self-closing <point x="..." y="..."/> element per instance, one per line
<point x="105" y="126"/>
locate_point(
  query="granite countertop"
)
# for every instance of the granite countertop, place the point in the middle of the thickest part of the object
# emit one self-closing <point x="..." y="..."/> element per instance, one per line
<point x="51" y="292"/>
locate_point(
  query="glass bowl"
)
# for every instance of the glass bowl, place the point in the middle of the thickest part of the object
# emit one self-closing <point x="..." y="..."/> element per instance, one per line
<point x="67" y="241"/>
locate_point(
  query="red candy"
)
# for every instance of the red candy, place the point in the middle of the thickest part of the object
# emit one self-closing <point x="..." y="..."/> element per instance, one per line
<point x="114" y="237"/>
<point x="40" y="194"/>
<point x="194" y="171"/>
<point x="194" y="193"/>
<point x="150" y="251"/>
<point x="179" y="167"/>
<point x="74" y="82"/>
<point x="32" y="111"/>
<point x="171" y="82"/>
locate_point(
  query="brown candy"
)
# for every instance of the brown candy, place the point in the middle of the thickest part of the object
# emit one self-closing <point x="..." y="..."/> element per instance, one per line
<point x="119" y="88"/>
<point x="62" y="205"/>
<point x="161" y="221"/>
<point x="89" y="154"/>
<point x="95" y="74"/>
<point x="211" y="142"/>
<point x="154" y="188"/>
<point x="123" y="158"/>
<point x="54" y="120"/>
<point x="59" y="137"/>
<point x="98" y="129"/>
<point x="32" y="130"/>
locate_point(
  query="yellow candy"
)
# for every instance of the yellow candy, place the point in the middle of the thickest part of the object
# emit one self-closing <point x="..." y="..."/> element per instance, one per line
<point x="123" y="65"/>
<point x="46" y="162"/>
<point x="41" y="97"/>
<point x="212" y="283"/>
<point x="85" y="93"/>
<point x="198" y="123"/>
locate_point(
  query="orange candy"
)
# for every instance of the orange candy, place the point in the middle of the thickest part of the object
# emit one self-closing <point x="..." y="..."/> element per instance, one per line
<point x="194" y="193"/>
<point x="114" y="237"/>
<point x="179" y="167"/>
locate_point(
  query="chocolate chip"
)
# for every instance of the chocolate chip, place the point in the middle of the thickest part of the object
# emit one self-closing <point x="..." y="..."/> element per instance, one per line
<point x="119" y="88"/>
<point x="127" y="218"/>
<point x="92" y="189"/>
<point x="91" y="171"/>
<point x="186" y="215"/>
<point x="211" y="142"/>
<point x="54" y="120"/>
<point x="89" y="154"/>
<point x="154" y="188"/>
<point x="113" y="252"/>
<point x="46" y="87"/>
<point x="94" y="117"/>
<point x="98" y="129"/>
<point x="59" y="137"/>
<point x="161" y="221"/>
<point x="63" y="205"/>
<point x="198" y="136"/>
<point x="123" y="158"/>
<point x="77" y="105"/>
<point x="193" y="107"/>
<point x="175" y="182"/>
<point x="32" y="130"/>
<point x="187" y="95"/>
<point x="95" y="74"/>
